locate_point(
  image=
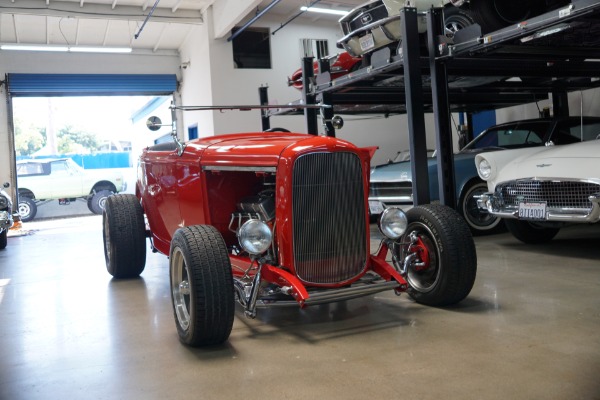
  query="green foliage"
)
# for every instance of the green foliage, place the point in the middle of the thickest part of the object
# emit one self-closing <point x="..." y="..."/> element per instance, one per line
<point x="28" y="139"/>
<point x="72" y="140"/>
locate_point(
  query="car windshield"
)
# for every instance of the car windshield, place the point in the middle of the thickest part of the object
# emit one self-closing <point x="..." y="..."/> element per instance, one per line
<point x="519" y="135"/>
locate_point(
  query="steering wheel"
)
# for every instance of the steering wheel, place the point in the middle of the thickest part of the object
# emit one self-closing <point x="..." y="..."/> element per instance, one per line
<point x="276" y="130"/>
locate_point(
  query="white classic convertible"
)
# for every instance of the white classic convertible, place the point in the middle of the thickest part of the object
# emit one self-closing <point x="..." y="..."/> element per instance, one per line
<point x="540" y="189"/>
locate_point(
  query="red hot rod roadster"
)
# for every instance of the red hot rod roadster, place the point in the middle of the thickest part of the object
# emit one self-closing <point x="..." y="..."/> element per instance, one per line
<point x="274" y="219"/>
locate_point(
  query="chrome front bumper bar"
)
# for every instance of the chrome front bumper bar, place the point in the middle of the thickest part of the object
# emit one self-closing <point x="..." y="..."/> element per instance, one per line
<point x="487" y="200"/>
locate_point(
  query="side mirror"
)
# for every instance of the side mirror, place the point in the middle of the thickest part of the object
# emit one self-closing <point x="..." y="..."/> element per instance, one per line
<point x="154" y="123"/>
<point x="6" y="185"/>
<point x="337" y="122"/>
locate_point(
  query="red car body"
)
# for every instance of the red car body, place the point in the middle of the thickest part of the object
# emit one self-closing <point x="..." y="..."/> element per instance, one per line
<point x="339" y="65"/>
<point x="310" y="193"/>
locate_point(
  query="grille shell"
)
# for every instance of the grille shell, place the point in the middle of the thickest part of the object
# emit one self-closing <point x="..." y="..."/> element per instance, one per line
<point x="557" y="194"/>
<point x="329" y="217"/>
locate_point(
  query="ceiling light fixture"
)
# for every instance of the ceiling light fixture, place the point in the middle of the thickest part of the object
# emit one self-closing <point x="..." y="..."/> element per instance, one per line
<point x="324" y="10"/>
<point x="65" y="49"/>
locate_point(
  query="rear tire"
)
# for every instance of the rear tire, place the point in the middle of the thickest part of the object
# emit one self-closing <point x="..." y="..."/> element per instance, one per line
<point x="3" y="239"/>
<point x="27" y="208"/>
<point x="445" y="242"/>
<point x="98" y="201"/>
<point x="124" y="234"/>
<point x="201" y="286"/>
<point x="529" y="233"/>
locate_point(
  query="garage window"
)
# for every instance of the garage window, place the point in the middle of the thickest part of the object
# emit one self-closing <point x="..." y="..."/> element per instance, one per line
<point x="252" y="48"/>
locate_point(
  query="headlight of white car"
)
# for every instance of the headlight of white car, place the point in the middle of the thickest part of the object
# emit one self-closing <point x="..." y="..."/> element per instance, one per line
<point x="3" y="202"/>
<point x="484" y="169"/>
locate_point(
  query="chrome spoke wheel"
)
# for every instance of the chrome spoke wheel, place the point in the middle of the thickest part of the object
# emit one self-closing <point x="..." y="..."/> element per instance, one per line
<point x="425" y="278"/>
<point x="180" y="289"/>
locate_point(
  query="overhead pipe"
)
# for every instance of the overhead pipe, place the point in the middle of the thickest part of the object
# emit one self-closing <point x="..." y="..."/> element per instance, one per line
<point x="253" y="20"/>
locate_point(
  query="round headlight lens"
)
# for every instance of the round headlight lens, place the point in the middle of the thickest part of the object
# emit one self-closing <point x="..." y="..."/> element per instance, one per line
<point x="484" y="169"/>
<point x="393" y="223"/>
<point x="3" y="202"/>
<point x="255" y="236"/>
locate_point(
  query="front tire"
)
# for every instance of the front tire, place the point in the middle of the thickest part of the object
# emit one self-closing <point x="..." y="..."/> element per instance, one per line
<point x="456" y="19"/>
<point x="124" y="234"/>
<point x="530" y="233"/>
<point x="3" y="239"/>
<point x="27" y="208"/>
<point x="480" y="222"/>
<point x="447" y="249"/>
<point x="98" y="201"/>
<point x="201" y="286"/>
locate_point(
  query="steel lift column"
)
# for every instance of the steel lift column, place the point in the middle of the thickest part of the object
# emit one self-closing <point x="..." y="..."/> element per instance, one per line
<point x="414" y="105"/>
<point x="310" y="114"/>
<point x="441" y="110"/>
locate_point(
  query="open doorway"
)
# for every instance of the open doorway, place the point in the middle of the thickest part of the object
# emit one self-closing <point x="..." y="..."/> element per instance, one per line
<point x="73" y="152"/>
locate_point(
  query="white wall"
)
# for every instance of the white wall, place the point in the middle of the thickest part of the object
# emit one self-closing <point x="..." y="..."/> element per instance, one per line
<point x="240" y="86"/>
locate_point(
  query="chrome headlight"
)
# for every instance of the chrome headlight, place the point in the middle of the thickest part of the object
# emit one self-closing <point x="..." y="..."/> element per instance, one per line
<point x="393" y="223"/>
<point x="255" y="236"/>
<point x="484" y="169"/>
<point x="3" y="201"/>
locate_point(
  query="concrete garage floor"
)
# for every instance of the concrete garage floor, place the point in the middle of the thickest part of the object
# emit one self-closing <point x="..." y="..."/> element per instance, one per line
<point x="529" y="330"/>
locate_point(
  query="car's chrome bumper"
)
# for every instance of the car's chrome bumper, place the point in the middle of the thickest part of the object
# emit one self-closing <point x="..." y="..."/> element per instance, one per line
<point x="384" y="31"/>
<point x="488" y="202"/>
<point x="6" y="220"/>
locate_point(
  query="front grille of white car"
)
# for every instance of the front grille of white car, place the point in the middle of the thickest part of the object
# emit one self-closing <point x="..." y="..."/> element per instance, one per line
<point x="556" y="194"/>
<point x="329" y="217"/>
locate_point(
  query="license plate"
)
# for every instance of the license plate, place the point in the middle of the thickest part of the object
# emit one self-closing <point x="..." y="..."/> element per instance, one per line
<point x="366" y="42"/>
<point x="536" y="211"/>
<point x="375" y="207"/>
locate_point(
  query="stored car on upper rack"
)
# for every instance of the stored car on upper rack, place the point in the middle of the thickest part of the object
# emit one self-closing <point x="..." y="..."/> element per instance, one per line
<point x="339" y="65"/>
<point x="276" y="219"/>
<point x="391" y="185"/>
<point x="539" y="190"/>
<point x="377" y="23"/>
<point x="6" y="217"/>
<point x="42" y="180"/>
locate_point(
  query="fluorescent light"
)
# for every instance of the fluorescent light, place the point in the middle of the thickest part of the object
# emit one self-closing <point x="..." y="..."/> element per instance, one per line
<point x="65" y="49"/>
<point x="25" y="47"/>
<point x="324" y="10"/>
<point x="101" y="49"/>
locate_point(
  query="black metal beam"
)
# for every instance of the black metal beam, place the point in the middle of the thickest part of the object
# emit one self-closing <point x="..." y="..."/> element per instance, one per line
<point x="253" y="20"/>
<point x="263" y="95"/>
<point x="441" y="111"/>
<point x="310" y="115"/>
<point x="414" y="105"/>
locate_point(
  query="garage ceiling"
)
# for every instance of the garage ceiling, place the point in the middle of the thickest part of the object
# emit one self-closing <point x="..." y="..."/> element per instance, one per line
<point x="115" y="23"/>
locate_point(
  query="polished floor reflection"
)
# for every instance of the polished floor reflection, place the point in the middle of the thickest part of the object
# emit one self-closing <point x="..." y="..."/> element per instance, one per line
<point x="529" y="330"/>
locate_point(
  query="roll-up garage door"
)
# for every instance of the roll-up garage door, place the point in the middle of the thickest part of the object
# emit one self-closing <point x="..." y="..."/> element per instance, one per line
<point x="90" y="84"/>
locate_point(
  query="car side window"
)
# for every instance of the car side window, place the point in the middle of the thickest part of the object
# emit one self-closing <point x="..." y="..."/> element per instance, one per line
<point x="58" y="167"/>
<point x="27" y="169"/>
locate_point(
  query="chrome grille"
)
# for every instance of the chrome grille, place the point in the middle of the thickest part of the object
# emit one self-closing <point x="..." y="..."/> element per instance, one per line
<point x="557" y="194"/>
<point x="390" y="189"/>
<point x="329" y="225"/>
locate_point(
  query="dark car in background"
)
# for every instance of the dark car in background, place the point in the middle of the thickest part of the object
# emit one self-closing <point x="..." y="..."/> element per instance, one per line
<point x="391" y="185"/>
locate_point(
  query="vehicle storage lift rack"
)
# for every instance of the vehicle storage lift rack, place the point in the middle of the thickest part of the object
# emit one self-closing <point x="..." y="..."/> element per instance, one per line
<point x="556" y="52"/>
